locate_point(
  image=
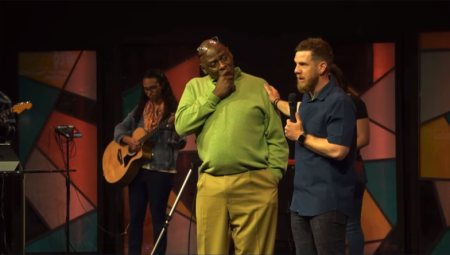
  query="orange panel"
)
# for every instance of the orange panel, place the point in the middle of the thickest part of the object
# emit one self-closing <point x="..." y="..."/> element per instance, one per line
<point x="383" y="59"/>
<point x="370" y="248"/>
<point x="434" y="149"/>
<point x="85" y="160"/>
<point x="435" y="40"/>
<point x="51" y="68"/>
<point x="373" y="223"/>
<point x="181" y="74"/>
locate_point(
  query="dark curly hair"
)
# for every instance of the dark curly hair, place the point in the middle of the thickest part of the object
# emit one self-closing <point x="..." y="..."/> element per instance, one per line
<point x="171" y="103"/>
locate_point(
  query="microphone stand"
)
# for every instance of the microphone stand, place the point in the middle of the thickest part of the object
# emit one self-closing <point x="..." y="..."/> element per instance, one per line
<point x="169" y="217"/>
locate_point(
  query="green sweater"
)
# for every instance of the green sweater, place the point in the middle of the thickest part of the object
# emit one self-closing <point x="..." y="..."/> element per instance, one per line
<point x="242" y="132"/>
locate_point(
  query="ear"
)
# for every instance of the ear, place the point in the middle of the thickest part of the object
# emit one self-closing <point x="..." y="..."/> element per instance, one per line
<point x="322" y="67"/>
<point x="204" y="70"/>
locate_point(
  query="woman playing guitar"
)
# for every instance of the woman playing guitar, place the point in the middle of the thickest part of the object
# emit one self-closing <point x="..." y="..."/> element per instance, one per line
<point x="154" y="180"/>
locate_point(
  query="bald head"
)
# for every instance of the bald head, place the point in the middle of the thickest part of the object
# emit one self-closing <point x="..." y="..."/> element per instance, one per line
<point x="215" y="58"/>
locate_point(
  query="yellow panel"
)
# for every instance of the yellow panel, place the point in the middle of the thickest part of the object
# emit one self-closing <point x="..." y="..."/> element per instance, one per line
<point x="373" y="223"/>
<point x="181" y="208"/>
<point x="434" y="149"/>
<point x="51" y="68"/>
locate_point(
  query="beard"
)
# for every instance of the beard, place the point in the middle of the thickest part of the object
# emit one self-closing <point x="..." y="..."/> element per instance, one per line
<point x="309" y="86"/>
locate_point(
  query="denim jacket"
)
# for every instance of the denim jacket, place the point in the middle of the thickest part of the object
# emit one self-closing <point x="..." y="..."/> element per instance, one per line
<point x="165" y="148"/>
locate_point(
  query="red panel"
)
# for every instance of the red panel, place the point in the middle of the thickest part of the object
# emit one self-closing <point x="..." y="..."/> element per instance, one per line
<point x="381" y="146"/>
<point x="181" y="74"/>
<point x="83" y="80"/>
<point x="85" y="160"/>
<point x="383" y="59"/>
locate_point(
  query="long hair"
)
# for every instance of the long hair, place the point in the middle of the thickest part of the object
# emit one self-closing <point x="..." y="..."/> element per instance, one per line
<point x="340" y="78"/>
<point x="171" y="103"/>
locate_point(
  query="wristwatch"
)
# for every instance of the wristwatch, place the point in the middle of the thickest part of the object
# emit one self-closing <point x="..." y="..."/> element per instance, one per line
<point x="301" y="138"/>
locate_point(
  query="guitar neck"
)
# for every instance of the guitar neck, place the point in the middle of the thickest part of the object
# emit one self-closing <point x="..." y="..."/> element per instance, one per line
<point x="151" y="133"/>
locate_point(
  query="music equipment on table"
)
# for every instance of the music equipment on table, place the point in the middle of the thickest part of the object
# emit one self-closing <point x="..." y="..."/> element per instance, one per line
<point x="68" y="131"/>
<point x="9" y="161"/>
<point x="17" y="108"/>
<point x="121" y="164"/>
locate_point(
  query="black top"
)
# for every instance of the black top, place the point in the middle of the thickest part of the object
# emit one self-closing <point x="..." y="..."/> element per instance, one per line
<point x="361" y="113"/>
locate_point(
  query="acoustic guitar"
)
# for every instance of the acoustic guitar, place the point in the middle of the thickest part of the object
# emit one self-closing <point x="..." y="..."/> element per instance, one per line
<point x="17" y="108"/>
<point x="121" y="164"/>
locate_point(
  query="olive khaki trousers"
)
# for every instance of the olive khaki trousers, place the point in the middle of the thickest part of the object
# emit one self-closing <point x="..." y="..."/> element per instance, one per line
<point x="246" y="204"/>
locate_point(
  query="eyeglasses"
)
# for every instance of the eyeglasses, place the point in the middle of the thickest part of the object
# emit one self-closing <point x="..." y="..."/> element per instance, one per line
<point x="204" y="48"/>
<point x="152" y="88"/>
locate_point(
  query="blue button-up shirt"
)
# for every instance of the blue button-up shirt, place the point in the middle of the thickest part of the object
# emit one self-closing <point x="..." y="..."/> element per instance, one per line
<point x="323" y="184"/>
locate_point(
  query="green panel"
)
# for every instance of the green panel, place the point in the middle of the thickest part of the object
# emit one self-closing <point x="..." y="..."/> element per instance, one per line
<point x="443" y="247"/>
<point x="83" y="237"/>
<point x="130" y="100"/>
<point x="31" y="121"/>
<point x="382" y="185"/>
<point x="447" y="117"/>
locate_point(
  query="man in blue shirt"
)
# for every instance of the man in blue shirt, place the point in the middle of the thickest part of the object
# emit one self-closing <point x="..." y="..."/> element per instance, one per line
<point x="325" y="151"/>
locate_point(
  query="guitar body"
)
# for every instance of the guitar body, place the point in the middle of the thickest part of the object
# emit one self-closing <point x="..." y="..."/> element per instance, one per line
<point x="120" y="166"/>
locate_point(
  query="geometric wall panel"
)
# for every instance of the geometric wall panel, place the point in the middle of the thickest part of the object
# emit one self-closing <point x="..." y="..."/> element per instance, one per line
<point x="31" y="121"/>
<point x="380" y="101"/>
<point x="370" y="248"/>
<point x="62" y="88"/>
<point x="177" y="238"/>
<point x="50" y="199"/>
<point x="391" y="244"/>
<point x="434" y="84"/>
<point x="374" y="224"/>
<point x="77" y="106"/>
<point x="435" y="40"/>
<point x="434" y="149"/>
<point x="432" y="222"/>
<point x="443" y="247"/>
<point x="82" y="236"/>
<point x="383" y="59"/>
<point x="381" y="183"/>
<point x="130" y="99"/>
<point x="447" y="117"/>
<point x="84" y="160"/>
<point x="181" y="74"/>
<point x="83" y="80"/>
<point x="51" y="68"/>
<point x="443" y="190"/>
<point x="181" y="208"/>
<point x="381" y="146"/>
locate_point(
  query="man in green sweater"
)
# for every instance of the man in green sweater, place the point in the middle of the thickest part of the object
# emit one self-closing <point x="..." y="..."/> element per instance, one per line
<point x="241" y="142"/>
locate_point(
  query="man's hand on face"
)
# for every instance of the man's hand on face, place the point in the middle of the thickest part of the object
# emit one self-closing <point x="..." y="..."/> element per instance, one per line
<point x="225" y="85"/>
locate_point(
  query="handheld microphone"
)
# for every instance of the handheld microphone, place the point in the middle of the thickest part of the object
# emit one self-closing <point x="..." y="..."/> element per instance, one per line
<point x="292" y="107"/>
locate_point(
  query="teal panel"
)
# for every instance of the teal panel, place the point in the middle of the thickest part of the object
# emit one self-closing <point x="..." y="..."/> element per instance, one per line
<point x="83" y="237"/>
<point x="31" y="121"/>
<point x="130" y="100"/>
<point x="443" y="247"/>
<point x="381" y="176"/>
<point x="447" y="117"/>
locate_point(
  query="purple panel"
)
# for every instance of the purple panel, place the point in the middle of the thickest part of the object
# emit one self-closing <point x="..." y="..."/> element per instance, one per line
<point x="380" y="101"/>
<point x="434" y="84"/>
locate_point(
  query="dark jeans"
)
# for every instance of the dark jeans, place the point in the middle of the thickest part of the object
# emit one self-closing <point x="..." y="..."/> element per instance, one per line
<point x="321" y="234"/>
<point x="355" y="234"/>
<point x="148" y="187"/>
